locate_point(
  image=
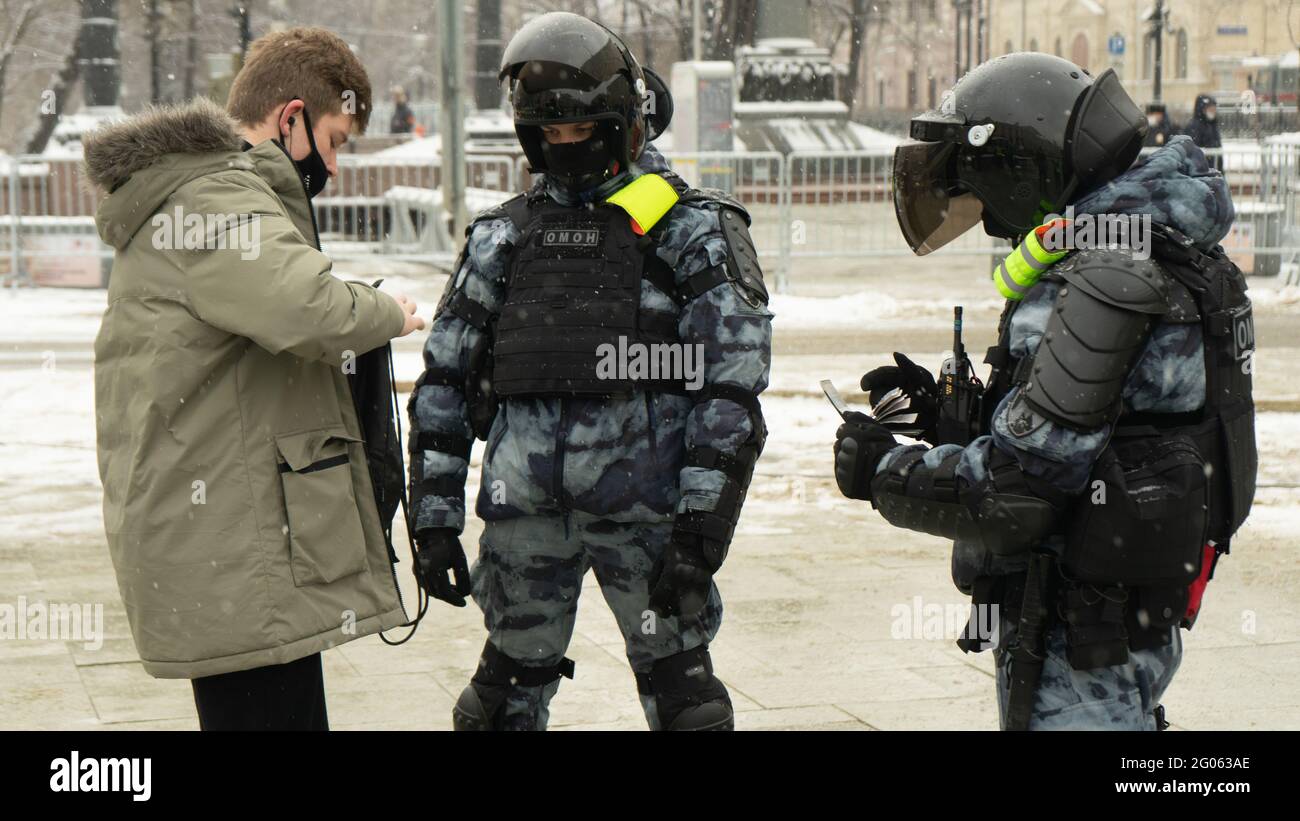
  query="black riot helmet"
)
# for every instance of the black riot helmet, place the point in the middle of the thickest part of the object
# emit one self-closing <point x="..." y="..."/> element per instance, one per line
<point x="1016" y="139"/>
<point x="564" y="68"/>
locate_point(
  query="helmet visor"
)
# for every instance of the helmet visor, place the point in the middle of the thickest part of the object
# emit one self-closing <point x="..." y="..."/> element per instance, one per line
<point x="929" y="213"/>
<point x="546" y="93"/>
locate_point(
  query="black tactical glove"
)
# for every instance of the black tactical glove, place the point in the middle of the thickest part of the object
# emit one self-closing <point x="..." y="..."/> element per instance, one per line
<point x="919" y="385"/>
<point x="859" y="445"/>
<point x="683" y="576"/>
<point x="440" y="552"/>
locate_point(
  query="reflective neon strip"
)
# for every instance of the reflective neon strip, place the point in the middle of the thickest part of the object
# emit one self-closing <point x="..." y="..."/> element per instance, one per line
<point x="645" y="199"/>
<point x="1007" y="285"/>
<point x="1021" y="269"/>
<point x="1028" y="256"/>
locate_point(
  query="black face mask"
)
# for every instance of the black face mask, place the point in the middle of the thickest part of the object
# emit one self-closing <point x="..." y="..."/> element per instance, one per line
<point x="577" y="166"/>
<point x="312" y="167"/>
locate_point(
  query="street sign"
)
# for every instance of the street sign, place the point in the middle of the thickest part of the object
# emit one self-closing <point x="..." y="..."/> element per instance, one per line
<point x="1115" y="45"/>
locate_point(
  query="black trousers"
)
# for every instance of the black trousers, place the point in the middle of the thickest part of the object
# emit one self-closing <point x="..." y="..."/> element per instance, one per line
<point x="278" y="697"/>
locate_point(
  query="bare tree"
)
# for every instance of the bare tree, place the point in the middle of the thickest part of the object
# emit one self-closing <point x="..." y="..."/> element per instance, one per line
<point x="647" y="43"/>
<point x="19" y="17"/>
<point x="732" y="26"/>
<point x="191" y="49"/>
<point x="60" y="86"/>
<point x="853" y="16"/>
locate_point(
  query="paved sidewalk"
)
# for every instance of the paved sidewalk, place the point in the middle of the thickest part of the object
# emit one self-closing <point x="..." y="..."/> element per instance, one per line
<point x="810" y="589"/>
<point x="814" y="586"/>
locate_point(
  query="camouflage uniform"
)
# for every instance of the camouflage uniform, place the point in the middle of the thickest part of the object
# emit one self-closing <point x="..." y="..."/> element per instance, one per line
<point x="623" y="473"/>
<point x="1177" y="188"/>
<point x="527" y="580"/>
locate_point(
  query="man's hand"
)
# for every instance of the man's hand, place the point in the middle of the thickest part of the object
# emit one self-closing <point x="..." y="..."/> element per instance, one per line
<point x="919" y="385"/>
<point x="860" y="443"/>
<point x="681" y="580"/>
<point x="413" y="323"/>
<point x="440" y="552"/>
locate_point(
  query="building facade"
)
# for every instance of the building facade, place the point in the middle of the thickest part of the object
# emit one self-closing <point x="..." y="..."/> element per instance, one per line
<point x="909" y="57"/>
<point x="1221" y="47"/>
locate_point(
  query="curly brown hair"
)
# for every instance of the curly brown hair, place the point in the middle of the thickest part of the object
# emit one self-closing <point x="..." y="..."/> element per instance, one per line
<point x="311" y="63"/>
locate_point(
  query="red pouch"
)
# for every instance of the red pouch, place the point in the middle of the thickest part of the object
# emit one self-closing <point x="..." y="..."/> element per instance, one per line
<point x="1196" y="589"/>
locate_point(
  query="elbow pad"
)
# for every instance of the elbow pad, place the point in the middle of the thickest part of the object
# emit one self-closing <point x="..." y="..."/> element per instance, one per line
<point x="1008" y="512"/>
<point x="718" y="525"/>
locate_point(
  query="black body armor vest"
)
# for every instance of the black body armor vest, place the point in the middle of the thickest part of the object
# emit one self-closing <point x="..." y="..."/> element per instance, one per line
<point x="573" y="307"/>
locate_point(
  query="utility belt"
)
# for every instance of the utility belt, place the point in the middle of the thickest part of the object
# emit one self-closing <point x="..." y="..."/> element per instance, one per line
<point x="1104" y="622"/>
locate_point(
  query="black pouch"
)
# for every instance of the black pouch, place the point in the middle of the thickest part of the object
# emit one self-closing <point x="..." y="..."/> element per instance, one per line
<point x="1143" y="517"/>
<point x="1242" y="465"/>
<point x="1153" y="611"/>
<point x="1095" y="634"/>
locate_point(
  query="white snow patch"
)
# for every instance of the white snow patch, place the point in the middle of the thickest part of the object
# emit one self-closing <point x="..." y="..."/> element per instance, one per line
<point x="53" y="314"/>
<point x="848" y="310"/>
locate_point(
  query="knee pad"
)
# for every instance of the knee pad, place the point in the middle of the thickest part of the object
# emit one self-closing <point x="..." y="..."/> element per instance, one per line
<point x="687" y="695"/>
<point x="480" y="706"/>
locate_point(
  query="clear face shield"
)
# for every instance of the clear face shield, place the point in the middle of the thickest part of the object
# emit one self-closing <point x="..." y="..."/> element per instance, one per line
<point x="930" y="214"/>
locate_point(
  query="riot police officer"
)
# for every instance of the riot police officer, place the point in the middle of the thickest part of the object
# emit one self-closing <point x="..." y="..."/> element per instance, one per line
<point x="607" y="334"/>
<point x="1109" y="456"/>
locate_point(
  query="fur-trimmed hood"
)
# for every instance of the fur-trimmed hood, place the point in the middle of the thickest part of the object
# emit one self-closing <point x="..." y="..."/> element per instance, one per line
<point x="116" y="151"/>
<point x="140" y="164"/>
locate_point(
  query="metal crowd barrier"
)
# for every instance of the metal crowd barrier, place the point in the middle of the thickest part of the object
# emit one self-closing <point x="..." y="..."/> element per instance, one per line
<point x="805" y="206"/>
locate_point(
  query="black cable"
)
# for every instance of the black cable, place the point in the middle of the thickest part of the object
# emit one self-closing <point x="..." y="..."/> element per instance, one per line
<point x="422" y="596"/>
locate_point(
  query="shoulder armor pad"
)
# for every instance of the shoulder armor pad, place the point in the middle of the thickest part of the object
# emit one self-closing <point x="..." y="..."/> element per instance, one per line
<point x="742" y="257"/>
<point x="1096" y="328"/>
<point x="1115" y="278"/>
<point x="722" y="198"/>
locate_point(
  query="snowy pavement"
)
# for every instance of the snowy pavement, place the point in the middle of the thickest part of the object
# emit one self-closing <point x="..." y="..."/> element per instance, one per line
<point x="823" y="600"/>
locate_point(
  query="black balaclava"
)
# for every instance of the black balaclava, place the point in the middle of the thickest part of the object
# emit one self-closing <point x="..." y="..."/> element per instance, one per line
<point x="580" y="166"/>
<point x="311" y="168"/>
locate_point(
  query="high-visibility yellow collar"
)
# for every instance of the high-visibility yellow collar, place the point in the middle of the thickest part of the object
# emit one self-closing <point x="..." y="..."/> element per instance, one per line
<point x="645" y="199"/>
<point x="1019" y="272"/>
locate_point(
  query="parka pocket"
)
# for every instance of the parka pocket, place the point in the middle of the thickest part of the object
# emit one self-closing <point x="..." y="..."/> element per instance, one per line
<point x="326" y="540"/>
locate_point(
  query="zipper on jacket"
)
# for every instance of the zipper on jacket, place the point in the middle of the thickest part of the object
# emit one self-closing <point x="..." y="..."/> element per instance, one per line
<point x="311" y="209"/>
<point x="311" y="212"/>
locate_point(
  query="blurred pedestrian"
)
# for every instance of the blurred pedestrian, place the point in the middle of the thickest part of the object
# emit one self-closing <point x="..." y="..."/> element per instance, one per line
<point x="1159" y="127"/>
<point x="1204" y="127"/>
<point x="403" y="121"/>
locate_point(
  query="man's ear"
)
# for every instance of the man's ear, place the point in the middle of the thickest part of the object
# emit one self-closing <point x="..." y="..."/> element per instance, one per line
<point x="289" y="115"/>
